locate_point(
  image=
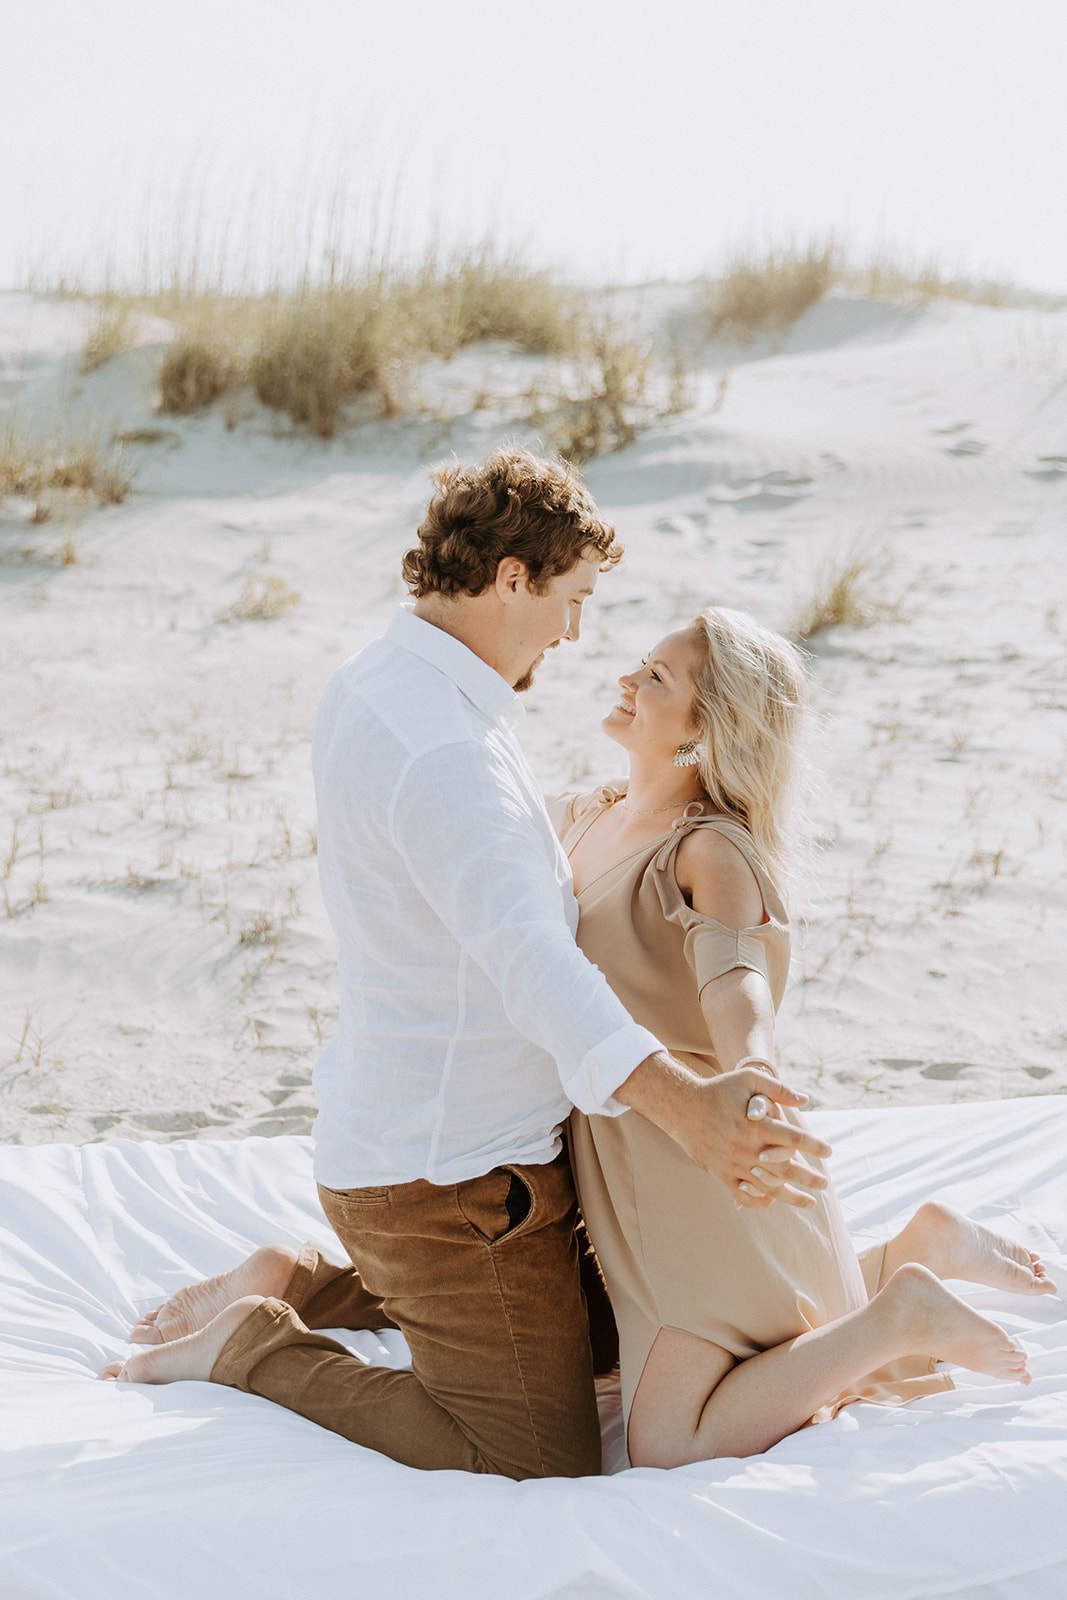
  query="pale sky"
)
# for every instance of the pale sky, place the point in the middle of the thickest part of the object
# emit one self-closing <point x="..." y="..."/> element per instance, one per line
<point x="613" y="138"/>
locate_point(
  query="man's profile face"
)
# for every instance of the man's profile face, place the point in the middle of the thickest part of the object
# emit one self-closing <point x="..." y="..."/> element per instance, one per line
<point x="542" y="620"/>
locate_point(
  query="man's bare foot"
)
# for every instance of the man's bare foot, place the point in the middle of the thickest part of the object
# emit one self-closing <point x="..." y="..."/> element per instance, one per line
<point x="955" y="1247"/>
<point x="931" y="1320"/>
<point x="190" y="1357"/>
<point x="265" y="1272"/>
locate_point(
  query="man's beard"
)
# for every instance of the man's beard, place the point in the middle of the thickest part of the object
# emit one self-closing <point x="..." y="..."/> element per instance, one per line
<point x="526" y="681"/>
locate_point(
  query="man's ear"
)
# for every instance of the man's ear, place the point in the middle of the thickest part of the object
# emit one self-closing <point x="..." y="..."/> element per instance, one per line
<point x="512" y="578"/>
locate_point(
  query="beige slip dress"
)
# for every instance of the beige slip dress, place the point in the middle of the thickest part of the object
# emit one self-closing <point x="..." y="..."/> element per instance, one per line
<point x="676" y="1252"/>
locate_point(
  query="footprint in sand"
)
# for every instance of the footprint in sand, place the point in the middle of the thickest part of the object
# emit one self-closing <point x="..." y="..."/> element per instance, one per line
<point x="772" y="491"/>
<point x="177" y="1122"/>
<point x="690" y="527"/>
<point x="966" y="447"/>
<point x="1050" y="469"/>
<point x="961" y="447"/>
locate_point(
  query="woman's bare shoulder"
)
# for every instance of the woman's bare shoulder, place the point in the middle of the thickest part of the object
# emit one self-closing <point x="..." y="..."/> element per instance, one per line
<point x="717" y="880"/>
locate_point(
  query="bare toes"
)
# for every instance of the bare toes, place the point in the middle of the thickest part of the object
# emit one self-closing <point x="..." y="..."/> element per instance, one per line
<point x="1043" y="1284"/>
<point x="113" y="1370"/>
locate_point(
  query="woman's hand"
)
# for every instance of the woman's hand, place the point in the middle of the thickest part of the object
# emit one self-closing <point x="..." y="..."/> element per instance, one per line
<point x="772" y="1146"/>
<point x="709" y="1118"/>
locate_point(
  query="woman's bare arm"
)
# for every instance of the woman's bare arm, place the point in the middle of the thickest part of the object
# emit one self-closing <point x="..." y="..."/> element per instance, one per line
<point x="738" y="1006"/>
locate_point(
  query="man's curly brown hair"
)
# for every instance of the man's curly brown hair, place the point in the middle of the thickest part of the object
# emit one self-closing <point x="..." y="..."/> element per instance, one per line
<point x="511" y="504"/>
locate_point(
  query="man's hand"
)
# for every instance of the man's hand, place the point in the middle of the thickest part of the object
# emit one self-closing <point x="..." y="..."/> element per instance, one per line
<point x="709" y="1118"/>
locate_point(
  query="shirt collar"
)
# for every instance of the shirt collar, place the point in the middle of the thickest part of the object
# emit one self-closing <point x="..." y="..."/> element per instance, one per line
<point x="481" y="684"/>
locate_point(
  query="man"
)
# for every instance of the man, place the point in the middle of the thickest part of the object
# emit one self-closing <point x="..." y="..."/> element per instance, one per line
<point x="470" y="1024"/>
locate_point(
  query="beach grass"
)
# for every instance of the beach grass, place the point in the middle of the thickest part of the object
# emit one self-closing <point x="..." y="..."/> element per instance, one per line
<point x="608" y="392"/>
<point x="848" y="590"/>
<point x="887" y="277"/>
<point x="110" y="333"/>
<point x="82" y="463"/>
<point x="363" y="326"/>
<point x="767" y="291"/>
<point x="308" y="350"/>
<point x="263" y="599"/>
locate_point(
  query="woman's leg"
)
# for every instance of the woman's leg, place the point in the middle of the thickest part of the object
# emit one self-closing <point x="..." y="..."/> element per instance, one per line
<point x="694" y="1402"/>
<point x="953" y="1246"/>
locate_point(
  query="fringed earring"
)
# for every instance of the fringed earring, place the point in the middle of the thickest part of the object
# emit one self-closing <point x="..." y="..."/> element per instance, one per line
<point x="688" y="755"/>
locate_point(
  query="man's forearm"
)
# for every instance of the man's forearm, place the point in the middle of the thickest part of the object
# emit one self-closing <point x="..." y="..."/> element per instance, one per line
<point x="661" y="1090"/>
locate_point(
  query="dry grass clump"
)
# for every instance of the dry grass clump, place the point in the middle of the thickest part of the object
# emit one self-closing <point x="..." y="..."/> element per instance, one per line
<point x="87" y="466"/>
<point x="325" y="347"/>
<point x="604" y="398"/>
<point x="195" y="370"/>
<point x="481" y="296"/>
<point x="262" y="599"/>
<point x="110" y="333"/>
<point x="886" y="278"/>
<point x="768" y="292"/>
<point x="604" y="406"/>
<point x="847" y="592"/>
<point x="309" y="351"/>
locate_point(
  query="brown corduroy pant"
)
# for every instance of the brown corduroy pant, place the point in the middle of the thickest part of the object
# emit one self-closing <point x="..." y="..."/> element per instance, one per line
<point x="487" y="1280"/>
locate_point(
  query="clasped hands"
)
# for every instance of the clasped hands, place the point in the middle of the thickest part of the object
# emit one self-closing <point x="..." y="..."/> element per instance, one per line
<point x="737" y="1135"/>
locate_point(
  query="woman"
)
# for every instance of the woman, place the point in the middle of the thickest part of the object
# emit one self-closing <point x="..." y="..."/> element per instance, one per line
<point x="738" y="1324"/>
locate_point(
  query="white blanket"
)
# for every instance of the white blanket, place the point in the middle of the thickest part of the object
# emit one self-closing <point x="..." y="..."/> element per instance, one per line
<point x="196" y="1492"/>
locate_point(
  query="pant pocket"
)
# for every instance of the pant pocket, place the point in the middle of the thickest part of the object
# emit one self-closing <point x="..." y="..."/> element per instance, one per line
<point x="517" y="1201"/>
<point x="494" y="1205"/>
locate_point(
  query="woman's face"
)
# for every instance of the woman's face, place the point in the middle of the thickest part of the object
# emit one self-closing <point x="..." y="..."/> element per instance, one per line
<point x="653" y="714"/>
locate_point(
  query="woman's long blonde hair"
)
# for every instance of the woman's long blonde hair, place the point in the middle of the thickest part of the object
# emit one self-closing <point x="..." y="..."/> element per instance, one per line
<point x="750" y="704"/>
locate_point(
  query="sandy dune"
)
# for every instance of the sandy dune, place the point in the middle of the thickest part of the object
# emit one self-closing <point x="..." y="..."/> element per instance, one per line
<point x="165" y="962"/>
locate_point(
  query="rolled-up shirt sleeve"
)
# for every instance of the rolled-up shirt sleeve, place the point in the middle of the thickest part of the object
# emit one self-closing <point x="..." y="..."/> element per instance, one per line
<point x="475" y="853"/>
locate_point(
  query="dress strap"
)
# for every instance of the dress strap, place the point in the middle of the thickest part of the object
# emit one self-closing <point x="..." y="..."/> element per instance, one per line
<point x="687" y="822"/>
<point x="738" y="835"/>
<point x="594" y="805"/>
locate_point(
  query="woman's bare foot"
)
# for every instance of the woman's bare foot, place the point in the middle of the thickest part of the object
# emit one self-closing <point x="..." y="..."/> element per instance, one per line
<point x="190" y="1357"/>
<point x="265" y="1272"/>
<point x="955" y="1247"/>
<point x="931" y="1320"/>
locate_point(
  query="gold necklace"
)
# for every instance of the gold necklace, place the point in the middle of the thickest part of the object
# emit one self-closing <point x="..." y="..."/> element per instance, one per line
<point x="696" y="800"/>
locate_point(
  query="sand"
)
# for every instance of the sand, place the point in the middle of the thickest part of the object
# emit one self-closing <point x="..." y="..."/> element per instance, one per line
<point x="166" y="967"/>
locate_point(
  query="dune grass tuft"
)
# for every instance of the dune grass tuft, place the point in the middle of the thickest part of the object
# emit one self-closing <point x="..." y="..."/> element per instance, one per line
<point x="314" y="353"/>
<point x="767" y="293"/>
<point x="110" y="332"/>
<point x="263" y="599"/>
<point x="310" y="350"/>
<point x="196" y="369"/>
<point x="86" y="466"/>
<point x="848" y="591"/>
<point x="481" y="295"/>
<point x="887" y="277"/>
<point x="602" y="399"/>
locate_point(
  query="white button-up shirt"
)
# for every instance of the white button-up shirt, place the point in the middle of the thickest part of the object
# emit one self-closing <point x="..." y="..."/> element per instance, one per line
<point x="470" y="1021"/>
